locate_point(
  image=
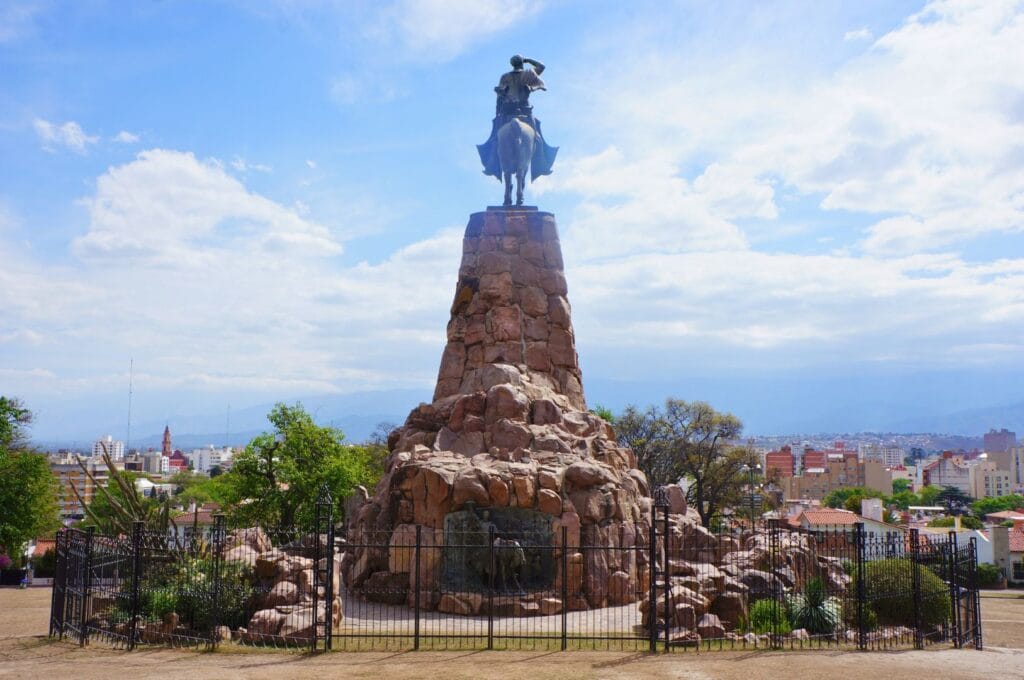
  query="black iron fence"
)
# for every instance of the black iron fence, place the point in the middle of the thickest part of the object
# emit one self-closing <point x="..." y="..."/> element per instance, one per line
<point x="669" y="584"/>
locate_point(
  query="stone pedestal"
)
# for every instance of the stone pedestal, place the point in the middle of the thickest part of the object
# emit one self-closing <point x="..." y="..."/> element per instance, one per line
<point x="508" y="426"/>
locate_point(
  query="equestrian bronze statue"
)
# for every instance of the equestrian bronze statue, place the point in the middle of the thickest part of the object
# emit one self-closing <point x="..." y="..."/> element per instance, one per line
<point x="516" y="143"/>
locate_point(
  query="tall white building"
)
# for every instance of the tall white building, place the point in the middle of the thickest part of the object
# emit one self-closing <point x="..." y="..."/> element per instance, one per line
<point x="889" y="456"/>
<point x="114" y="447"/>
<point x="203" y="460"/>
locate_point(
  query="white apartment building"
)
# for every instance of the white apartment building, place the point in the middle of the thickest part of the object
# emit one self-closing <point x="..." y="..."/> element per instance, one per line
<point x="203" y="460"/>
<point x="114" y="447"/>
<point x="889" y="456"/>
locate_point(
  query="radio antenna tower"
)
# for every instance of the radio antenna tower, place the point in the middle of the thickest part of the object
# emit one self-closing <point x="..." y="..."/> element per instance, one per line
<point x="128" y="439"/>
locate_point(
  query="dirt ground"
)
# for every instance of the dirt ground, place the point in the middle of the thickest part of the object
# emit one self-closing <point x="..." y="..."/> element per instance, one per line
<point x="25" y="652"/>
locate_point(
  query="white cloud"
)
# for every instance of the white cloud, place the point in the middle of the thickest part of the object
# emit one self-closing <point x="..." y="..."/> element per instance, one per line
<point x="17" y="19"/>
<point x="158" y="207"/>
<point x="311" y="164"/>
<point x="69" y="134"/>
<point x="220" y="288"/>
<point x="918" y="130"/>
<point x="351" y="89"/>
<point x="242" y="165"/>
<point x="125" y="137"/>
<point x="863" y="33"/>
<point x="439" y="30"/>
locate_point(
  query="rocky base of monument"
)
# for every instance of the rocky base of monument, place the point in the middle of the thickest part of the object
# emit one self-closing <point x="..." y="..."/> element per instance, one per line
<point x="713" y="579"/>
<point x="507" y="432"/>
<point x="285" y="611"/>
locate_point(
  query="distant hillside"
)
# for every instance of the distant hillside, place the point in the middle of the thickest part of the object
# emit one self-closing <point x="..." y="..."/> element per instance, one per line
<point x="975" y="421"/>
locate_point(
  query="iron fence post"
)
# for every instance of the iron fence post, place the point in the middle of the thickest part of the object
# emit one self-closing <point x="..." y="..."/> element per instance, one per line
<point x="565" y="585"/>
<point x="915" y="561"/>
<point x="83" y="632"/>
<point x="774" y="538"/>
<point x="975" y="595"/>
<point x="218" y="556"/>
<point x="490" y="587"/>
<point x="669" y="612"/>
<point x="331" y="595"/>
<point x="317" y="554"/>
<point x="954" y="588"/>
<point x="652" y="588"/>
<point x="133" y="620"/>
<point x="860" y="543"/>
<point x="56" y="601"/>
<point x="416" y="588"/>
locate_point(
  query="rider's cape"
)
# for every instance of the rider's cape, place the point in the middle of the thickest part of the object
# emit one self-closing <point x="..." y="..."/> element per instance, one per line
<point x="540" y="164"/>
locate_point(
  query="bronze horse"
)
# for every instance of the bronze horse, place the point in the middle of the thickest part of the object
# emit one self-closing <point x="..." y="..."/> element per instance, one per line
<point x="516" y="141"/>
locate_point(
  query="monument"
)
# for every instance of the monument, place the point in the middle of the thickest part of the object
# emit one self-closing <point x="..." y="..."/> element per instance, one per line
<point x="507" y="454"/>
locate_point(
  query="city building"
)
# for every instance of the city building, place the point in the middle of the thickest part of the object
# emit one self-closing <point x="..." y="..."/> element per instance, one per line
<point x="112" y="446"/>
<point x="71" y="478"/>
<point x="1011" y="460"/>
<point x="948" y="470"/>
<point x="890" y="456"/>
<point x="781" y="463"/>
<point x="177" y="462"/>
<point x="203" y="460"/>
<point x="840" y="470"/>
<point x="987" y="480"/>
<point x="999" y="441"/>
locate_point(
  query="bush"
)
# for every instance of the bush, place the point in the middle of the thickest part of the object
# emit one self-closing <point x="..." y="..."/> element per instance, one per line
<point x="892" y="597"/>
<point x="814" y="610"/>
<point x="989" y="575"/>
<point x="45" y="566"/>
<point x="769" y="616"/>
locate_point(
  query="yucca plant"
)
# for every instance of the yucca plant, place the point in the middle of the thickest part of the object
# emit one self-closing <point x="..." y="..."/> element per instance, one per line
<point x="814" y="611"/>
<point x="131" y="506"/>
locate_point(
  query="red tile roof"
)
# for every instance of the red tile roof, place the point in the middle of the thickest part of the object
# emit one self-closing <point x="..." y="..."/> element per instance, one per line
<point x="830" y="516"/>
<point x="1017" y="541"/>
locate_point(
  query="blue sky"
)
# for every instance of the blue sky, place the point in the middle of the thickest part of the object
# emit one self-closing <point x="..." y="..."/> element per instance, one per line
<point x="264" y="200"/>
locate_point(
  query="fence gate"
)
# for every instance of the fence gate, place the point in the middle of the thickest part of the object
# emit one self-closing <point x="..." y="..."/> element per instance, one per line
<point x="964" y="595"/>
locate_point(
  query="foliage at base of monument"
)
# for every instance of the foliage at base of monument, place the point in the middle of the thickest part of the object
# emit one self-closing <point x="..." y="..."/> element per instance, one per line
<point x="186" y="588"/>
<point x="28" y="491"/>
<point x="769" y="616"/>
<point x="277" y="478"/>
<point x="966" y="521"/>
<point x="691" y="440"/>
<point x="814" y="611"/>
<point x="893" y="600"/>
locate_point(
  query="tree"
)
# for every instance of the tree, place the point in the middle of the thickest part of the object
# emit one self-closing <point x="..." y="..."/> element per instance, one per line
<point x="691" y="440"/>
<point x="928" y="495"/>
<point x="644" y="432"/>
<point x="281" y="473"/>
<point x="954" y="500"/>
<point x="984" y="506"/>
<point x="900" y="485"/>
<point x="28" y="491"/>
<point x="603" y="412"/>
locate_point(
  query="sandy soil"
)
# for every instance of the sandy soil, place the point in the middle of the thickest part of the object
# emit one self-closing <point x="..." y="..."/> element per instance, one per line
<point x="25" y="652"/>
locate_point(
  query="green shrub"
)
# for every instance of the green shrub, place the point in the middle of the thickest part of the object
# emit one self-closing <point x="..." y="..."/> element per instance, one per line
<point x="891" y="594"/>
<point x="989" y="575"/>
<point x="850" y="616"/>
<point x="769" y="616"/>
<point x="814" y="611"/>
<point x="45" y="566"/>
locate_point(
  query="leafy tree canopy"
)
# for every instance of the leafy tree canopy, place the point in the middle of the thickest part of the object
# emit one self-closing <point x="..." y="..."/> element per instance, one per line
<point x="277" y="478"/>
<point x="28" y="491"/>
<point x="900" y="485"/>
<point x="691" y="440"/>
<point x="984" y="506"/>
<point x="966" y="522"/>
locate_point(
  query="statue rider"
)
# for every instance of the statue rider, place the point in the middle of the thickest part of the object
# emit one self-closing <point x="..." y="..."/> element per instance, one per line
<point x="513" y="101"/>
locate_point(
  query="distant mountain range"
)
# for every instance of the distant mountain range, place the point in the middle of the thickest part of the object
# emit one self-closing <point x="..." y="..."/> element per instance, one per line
<point x="359" y="413"/>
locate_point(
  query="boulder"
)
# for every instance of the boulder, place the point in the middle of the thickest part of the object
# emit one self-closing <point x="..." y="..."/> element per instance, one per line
<point x="709" y="627"/>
